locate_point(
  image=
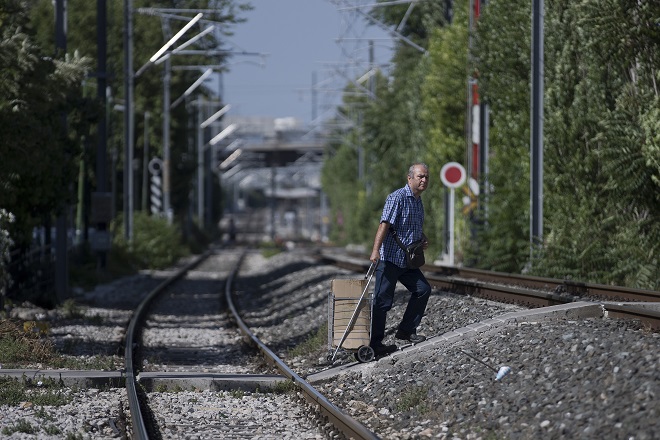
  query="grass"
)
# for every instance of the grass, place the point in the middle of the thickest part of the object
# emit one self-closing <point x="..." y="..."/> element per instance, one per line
<point x="284" y="387"/>
<point x="43" y="414"/>
<point x="160" y="388"/>
<point x="52" y="430"/>
<point x="103" y="363"/>
<point x="313" y="344"/>
<point x="40" y="393"/>
<point x="237" y="393"/>
<point x="20" y="346"/>
<point x="414" y="398"/>
<point x="22" y="426"/>
<point x="71" y="310"/>
<point x="268" y="249"/>
<point x="163" y="388"/>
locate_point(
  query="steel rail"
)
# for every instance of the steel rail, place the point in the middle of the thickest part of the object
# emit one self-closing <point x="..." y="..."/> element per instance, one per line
<point x="350" y="427"/>
<point x="646" y="316"/>
<point x="140" y="431"/>
<point x="514" y="288"/>
<point x="535" y="298"/>
<point x="571" y="287"/>
<point x="497" y="292"/>
<point x="471" y="287"/>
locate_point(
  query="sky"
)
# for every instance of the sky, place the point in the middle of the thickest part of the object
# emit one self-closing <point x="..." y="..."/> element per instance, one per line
<point x="299" y="39"/>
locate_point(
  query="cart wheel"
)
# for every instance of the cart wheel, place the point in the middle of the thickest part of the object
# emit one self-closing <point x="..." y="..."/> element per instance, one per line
<point x="365" y="354"/>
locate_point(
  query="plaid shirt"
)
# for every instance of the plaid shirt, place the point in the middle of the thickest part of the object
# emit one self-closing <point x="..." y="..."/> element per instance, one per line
<point x="405" y="214"/>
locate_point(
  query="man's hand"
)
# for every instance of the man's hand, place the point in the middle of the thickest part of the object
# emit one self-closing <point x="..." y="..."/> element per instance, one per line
<point x="378" y="241"/>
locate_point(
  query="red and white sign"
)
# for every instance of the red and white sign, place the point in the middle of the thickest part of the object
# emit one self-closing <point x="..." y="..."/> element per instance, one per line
<point x="452" y="174"/>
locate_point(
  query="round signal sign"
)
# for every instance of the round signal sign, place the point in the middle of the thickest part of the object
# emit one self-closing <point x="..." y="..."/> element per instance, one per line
<point x="452" y="174"/>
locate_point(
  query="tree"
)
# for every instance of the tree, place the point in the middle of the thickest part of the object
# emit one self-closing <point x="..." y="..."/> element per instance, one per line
<point x="602" y="140"/>
<point x="39" y="157"/>
<point x="443" y="109"/>
<point x="502" y="51"/>
<point x="600" y="175"/>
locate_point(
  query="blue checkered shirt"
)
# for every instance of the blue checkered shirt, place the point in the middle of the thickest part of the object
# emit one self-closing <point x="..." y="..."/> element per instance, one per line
<point x="405" y="214"/>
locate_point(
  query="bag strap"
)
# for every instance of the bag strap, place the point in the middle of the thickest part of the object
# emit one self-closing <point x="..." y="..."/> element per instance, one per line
<point x="398" y="240"/>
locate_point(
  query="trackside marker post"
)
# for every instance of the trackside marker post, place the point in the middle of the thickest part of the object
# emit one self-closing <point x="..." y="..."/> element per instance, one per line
<point x="453" y="176"/>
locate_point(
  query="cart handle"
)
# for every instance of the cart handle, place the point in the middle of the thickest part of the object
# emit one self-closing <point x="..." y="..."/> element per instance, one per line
<point x="371" y="269"/>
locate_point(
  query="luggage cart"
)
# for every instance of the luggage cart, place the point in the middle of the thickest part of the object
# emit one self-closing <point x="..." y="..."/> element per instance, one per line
<point x="349" y="317"/>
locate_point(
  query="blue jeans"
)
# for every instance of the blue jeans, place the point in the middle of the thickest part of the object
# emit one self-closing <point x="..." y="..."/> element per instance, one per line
<point x="387" y="275"/>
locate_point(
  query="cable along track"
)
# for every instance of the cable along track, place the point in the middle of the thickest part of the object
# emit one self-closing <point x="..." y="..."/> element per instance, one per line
<point x="184" y="365"/>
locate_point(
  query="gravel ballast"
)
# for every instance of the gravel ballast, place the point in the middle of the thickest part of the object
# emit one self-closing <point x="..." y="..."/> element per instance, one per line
<point x="588" y="378"/>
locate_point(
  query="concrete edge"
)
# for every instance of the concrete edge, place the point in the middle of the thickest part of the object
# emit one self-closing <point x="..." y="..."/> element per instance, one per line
<point x="156" y="381"/>
<point x="150" y="381"/>
<point x="70" y="378"/>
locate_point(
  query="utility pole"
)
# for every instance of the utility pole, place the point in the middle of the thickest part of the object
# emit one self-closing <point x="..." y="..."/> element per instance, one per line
<point x="101" y="199"/>
<point x="101" y="92"/>
<point x="536" y="144"/>
<point x="61" y="242"/>
<point x="145" y="164"/>
<point x="167" y="78"/>
<point x="164" y="55"/>
<point x="129" y="120"/>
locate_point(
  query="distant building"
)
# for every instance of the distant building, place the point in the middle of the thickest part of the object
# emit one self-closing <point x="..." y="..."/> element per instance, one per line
<point x="280" y="159"/>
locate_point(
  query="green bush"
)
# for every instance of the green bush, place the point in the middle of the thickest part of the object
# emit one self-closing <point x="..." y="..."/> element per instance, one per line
<point x="156" y="243"/>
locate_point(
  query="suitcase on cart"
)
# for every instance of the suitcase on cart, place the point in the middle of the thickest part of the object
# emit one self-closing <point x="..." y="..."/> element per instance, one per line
<point x="349" y="317"/>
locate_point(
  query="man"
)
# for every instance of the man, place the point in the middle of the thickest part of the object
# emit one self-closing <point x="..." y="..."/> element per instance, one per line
<point x="404" y="214"/>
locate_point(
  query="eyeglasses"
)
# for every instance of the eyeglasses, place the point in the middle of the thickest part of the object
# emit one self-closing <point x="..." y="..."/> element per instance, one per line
<point x="422" y="176"/>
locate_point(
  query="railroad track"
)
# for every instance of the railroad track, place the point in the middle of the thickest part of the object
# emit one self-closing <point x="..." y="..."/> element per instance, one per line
<point x="394" y="397"/>
<point x="530" y="291"/>
<point x="155" y="313"/>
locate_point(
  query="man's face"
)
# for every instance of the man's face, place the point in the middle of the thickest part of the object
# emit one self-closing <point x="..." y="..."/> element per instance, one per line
<point x="419" y="180"/>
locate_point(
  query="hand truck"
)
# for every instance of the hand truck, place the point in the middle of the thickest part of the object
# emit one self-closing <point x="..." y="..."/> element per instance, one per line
<point x="350" y="328"/>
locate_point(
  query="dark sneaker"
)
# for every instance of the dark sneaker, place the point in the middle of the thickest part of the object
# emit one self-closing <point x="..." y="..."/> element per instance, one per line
<point x="412" y="337"/>
<point x="382" y="350"/>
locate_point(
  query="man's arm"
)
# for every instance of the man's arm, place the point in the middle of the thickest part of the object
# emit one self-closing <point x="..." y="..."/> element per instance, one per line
<point x="383" y="228"/>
